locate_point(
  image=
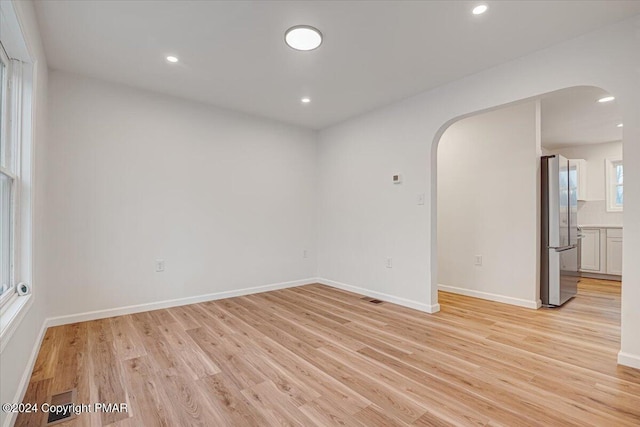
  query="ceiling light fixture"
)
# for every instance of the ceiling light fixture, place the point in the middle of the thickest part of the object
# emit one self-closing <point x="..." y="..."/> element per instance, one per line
<point x="619" y="125"/>
<point x="606" y="99"/>
<point x="172" y="59"/>
<point x="303" y="37"/>
<point x="305" y="100"/>
<point x="479" y="10"/>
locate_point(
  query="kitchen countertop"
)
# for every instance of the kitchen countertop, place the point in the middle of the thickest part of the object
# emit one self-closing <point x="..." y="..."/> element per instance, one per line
<point x="598" y="226"/>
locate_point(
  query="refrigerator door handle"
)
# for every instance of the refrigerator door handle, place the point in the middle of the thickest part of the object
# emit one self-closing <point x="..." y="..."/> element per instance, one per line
<point x="563" y="248"/>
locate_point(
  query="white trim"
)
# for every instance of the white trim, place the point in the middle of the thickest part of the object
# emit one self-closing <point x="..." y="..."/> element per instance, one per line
<point x="491" y="297"/>
<point x="11" y="316"/>
<point x="111" y="312"/>
<point x="434" y="308"/>
<point x="26" y="376"/>
<point x="628" y="359"/>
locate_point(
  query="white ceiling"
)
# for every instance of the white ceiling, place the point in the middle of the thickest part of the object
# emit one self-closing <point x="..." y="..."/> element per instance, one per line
<point x="232" y="54"/>
<point x="574" y="117"/>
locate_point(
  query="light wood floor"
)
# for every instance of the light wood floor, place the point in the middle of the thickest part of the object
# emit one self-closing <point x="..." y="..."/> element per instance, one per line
<point x="314" y="355"/>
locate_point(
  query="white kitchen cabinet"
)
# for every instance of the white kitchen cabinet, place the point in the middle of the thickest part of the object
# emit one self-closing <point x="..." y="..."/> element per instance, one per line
<point x="590" y="250"/>
<point x="601" y="252"/>
<point x="614" y="251"/>
<point x="578" y="177"/>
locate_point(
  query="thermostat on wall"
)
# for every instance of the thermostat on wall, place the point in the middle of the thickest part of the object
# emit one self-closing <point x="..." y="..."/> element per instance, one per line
<point x="397" y="178"/>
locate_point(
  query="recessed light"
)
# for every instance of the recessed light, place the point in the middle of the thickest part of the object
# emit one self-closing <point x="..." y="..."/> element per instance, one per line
<point x="172" y="59"/>
<point x="305" y="100"/>
<point x="619" y="125"/>
<point x="303" y="37"/>
<point x="479" y="10"/>
<point x="606" y="99"/>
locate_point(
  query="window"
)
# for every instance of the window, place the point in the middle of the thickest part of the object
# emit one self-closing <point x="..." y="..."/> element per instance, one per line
<point x="7" y="183"/>
<point x="615" y="184"/>
<point x="17" y="102"/>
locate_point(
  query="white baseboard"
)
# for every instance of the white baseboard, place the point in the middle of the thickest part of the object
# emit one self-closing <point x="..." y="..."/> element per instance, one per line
<point x="491" y="297"/>
<point x="119" y="311"/>
<point x="434" y="308"/>
<point x="26" y="376"/>
<point x="628" y="359"/>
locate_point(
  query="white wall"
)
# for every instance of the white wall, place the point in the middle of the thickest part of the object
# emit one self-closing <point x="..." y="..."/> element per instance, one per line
<point x="15" y="359"/>
<point x="594" y="210"/>
<point x="227" y="200"/>
<point x="487" y="197"/>
<point x="364" y="218"/>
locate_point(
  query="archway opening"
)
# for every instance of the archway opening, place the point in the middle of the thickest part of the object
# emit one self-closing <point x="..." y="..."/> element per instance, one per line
<point x="487" y="203"/>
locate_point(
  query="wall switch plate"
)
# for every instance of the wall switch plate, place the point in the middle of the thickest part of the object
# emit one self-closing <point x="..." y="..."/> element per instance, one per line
<point x="159" y="265"/>
<point x="477" y="260"/>
<point x="389" y="263"/>
<point x="421" y="198"/>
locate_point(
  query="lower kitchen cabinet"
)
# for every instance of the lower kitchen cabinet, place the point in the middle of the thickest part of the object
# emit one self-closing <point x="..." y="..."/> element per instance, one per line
<point x="614" y="251"/>
<point x="601" y="251"/>
<point x="590" y="250"/>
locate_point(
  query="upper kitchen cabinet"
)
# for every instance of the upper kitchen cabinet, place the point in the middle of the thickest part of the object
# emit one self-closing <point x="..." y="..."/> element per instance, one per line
<point x="578" y="177"/>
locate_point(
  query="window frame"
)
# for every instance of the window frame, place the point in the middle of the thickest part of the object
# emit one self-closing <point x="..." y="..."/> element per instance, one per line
<point x="8" y="293"/>
<point x="4" y="101"/>
<point x="10" y="148"/>
<point x="612" y="185"/>
<point x="20" y="129"/>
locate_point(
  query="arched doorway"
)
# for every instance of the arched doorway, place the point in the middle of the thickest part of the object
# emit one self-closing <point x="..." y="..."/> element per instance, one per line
<point x="487" y="182"/>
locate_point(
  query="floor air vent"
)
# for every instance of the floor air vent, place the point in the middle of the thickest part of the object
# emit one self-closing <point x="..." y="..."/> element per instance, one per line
<point x="61" y="407"/>
<point x="372" y="300"/>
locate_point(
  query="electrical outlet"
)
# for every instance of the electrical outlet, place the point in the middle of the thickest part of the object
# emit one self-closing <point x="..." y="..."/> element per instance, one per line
<point x="159" y="265"/>
<point x="421" y="197"/>
<point x="477" y="260"/>
<point x="305" y="254"/>
<point x="389" y="263"/>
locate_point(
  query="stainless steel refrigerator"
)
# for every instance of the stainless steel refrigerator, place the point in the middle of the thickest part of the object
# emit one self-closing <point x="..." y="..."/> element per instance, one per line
<point x="559" y="225"/>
